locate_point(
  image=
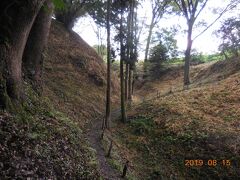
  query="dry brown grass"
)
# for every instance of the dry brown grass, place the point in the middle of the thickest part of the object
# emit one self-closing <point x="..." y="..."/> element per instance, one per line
<point x="202" y="122"/>
<point x="75" y="76"/>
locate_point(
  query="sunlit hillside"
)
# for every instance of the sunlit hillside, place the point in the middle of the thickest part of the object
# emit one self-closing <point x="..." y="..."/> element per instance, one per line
<point x="199" y="123"/>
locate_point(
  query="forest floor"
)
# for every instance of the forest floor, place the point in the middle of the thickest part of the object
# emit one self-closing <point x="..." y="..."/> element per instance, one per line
<point x="200" y="123"/>
<point x="44" y="137"/>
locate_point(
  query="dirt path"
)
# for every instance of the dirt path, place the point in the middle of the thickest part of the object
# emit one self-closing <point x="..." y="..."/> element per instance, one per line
<point x="93" y="135"/>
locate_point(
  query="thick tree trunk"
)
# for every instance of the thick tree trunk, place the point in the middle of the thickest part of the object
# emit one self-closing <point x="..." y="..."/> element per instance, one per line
<point x="126" y="81"/>
<point x="188" y="55"/>
<point x="18" y="19"/>
<point x="37" y="40"/>
<point x="108" y="92"/>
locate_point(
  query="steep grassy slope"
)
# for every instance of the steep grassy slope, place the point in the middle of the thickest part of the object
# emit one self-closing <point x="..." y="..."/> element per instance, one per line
<point x="202" y="123"/>
<point x="171" y="79"/>
<point x="75" y="76"/>
<point x="44" y="137"/>
<point x="37" y="141"/>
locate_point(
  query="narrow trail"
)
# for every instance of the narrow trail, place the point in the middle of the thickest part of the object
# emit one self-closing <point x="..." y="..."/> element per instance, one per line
<point x="94" y="137"/>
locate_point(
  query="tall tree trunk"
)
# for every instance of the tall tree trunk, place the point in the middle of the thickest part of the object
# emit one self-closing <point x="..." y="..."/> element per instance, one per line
<point x="133" y="82"/>
<point x="126" y="81"/>
<point x="108" y="92"/>
<point x="37" y="40"/>
<point x="149" y="40"/>
<point x="123" y="105"/>
<point x="132" y="58"/>
<point x="129" y="50"/>
<point x="130" y="84"/>
<point x="18" y="18"/>
<point x="188" y="55"/>
<point x="134" y="79"/>
<point x="127" y="60"/>
<point x="128" y="37"/>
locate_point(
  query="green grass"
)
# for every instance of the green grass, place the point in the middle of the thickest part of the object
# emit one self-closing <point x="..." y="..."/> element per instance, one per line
<point x="197" y="58"/>
<point x="142" y="125"/>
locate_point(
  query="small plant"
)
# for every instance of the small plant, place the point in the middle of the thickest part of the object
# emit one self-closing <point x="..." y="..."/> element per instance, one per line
<point x="142" y="126"/>
<point x="156" y="174"/>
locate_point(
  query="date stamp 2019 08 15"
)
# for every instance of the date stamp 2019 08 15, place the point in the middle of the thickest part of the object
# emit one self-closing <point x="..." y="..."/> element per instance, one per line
<point x="209" y="162"/>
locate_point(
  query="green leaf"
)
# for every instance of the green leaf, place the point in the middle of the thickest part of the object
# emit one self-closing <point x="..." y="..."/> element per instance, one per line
<point x="59" y="4"/>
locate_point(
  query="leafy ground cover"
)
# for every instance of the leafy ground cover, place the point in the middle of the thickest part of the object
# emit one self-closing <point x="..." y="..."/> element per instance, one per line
<point x="199" y="123"/>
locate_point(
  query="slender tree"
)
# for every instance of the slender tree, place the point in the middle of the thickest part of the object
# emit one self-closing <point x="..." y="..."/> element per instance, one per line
<point x="127" y="60"/>
<point x="191" y="11"/>
<point x="131" y="48"/>
<point x="108" y="92"/>
<point x="122" y="56"/>
<point x="158" y="9"/>
<point x="138" y="26"/>
<point x="100" y="47"/>
<point x="126" y="79"/>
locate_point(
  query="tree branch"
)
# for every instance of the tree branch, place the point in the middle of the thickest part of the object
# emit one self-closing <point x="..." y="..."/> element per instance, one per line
<point x="178" y="5"/>
<point x="220" y="15"/>
<point x="189" y="6"/>
<point x="185" y="11"/>
<point x="203" y="6"/>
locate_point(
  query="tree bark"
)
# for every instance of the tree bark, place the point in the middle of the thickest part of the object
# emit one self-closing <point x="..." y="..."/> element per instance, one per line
<point x="108" y="92"/>
<point x="132" y="57"/>
<point x="123" y="106"/>
<point x="134" y="79"/>
<point x="126" y="81"/>
<point x="130" y="84"/>
<point x="18" y="18"/>
<point x="37" y="40"/>
<point x="133" y="82"/>
<point x="149" y="40"/>
<point x="188" y="55"/>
